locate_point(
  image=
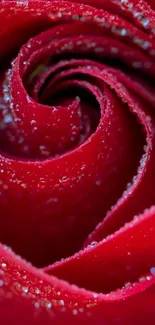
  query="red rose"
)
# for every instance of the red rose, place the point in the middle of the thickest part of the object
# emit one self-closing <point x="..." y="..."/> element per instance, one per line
<point x="77" y="130"/>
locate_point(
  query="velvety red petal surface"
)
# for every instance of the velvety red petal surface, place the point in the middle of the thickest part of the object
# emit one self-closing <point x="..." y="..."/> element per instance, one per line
<point x="77" y="157"/>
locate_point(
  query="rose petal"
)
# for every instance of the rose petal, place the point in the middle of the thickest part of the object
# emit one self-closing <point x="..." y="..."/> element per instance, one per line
<point x="59" y="194"/>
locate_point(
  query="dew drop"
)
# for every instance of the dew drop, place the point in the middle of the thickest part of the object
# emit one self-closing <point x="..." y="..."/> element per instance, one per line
<point x="17" y="285"/>
<point x="81" y="310"/>
<point x="48" y="305"/>
<point x="37" y="291"/>
<point x="64" y="179"/>
<point x="37" y="305"/>
<point x="95" y="295"/>
<point x="127" y="284"/>
<point x="92" y="244"/>
<point x="123" y="32"/>
<point x="61" y="302"/>
<point x="7" y="118"/>
<point x="25" y="289"/>
<point x="4" y="265"/>
<point x="152" y="270"/>
<point x="74" y="311"/>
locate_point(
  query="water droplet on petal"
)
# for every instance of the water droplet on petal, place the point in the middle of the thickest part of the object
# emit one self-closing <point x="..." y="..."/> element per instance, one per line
<point x="152" y="270"/>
